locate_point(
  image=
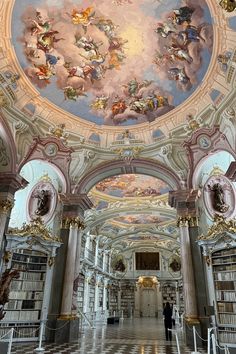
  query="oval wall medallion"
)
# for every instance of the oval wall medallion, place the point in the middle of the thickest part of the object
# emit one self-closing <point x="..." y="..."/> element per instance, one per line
<point x="219" y="196"/>
<point x="42" y="201"/>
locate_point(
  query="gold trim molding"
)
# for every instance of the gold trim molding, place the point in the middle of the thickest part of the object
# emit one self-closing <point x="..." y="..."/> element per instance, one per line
<point x="6" y="206"/>
<point x="35" y="228"/>
<point x="219" y="226"/>
<point x="69" y="317"/>
<point x="192" y="320"/>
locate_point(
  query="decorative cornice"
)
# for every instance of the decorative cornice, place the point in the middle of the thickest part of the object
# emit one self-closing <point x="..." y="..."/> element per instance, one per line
<point x="6" y="206"/>
<point x="220" y="226"/>
<point x="35" y="228"/>
<point x="73" y="222"/>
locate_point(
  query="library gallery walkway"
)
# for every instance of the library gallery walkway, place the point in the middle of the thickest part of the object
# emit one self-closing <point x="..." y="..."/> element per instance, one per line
<point x="131" y="336"/>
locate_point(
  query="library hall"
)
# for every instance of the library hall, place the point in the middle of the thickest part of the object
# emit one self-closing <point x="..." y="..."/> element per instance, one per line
<point x="118" y="176"/>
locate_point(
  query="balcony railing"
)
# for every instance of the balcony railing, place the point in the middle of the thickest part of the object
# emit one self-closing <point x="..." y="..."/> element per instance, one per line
<point x="89" y="255"/>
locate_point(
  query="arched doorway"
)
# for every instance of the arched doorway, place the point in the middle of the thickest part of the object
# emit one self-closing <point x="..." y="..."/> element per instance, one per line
<point x="148" y="300"/>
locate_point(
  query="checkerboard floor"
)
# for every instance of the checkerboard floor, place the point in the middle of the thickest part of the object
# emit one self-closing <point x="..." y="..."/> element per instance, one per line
<point x="137" y="336"/>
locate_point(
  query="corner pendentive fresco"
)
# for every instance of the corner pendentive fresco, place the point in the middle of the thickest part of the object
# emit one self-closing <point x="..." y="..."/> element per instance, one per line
<point x="114" y="62"/>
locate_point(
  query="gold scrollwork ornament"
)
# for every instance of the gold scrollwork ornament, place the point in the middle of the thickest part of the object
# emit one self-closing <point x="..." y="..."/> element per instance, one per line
<point x="228" y="5"/>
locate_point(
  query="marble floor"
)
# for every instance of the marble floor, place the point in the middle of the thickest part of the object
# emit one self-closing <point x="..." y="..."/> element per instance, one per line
<point x="131" y="336"/>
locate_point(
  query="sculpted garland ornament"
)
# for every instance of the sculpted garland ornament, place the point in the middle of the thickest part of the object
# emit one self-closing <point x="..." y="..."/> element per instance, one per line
<point x="35" y="228"/>
<point x="220" y="226"/>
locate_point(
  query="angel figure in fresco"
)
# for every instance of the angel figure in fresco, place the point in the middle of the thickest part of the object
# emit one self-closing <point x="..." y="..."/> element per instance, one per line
<point x="191" y="34"/>
<point x="134" y="86"/>
<point x="115" y="60"/>
<point x="44" y="72"/>
<point x="107" y="26"/>
<point x="83" y="17"/>
<point x="41" y="25"/>
<point x="99" y="103"/>
<point x="87" y="43"/>
<point x="181" y="15"/>
<point x="162" y="59"/>
<point x="46" y="41"/>
<point x="179" y="52"/>
<point x="118" y="106"/>
<point x="178" y="74"/>
<point x="71" y="93"/>
<point x="153" y="101"/>
<point x="117" y="43"/>
<point x="164" y="29"/>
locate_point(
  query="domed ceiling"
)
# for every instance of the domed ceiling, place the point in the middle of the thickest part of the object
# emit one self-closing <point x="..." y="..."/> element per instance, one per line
<point x="117" y="62"/>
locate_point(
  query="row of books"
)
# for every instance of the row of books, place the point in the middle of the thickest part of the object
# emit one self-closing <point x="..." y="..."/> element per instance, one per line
<point x="225" y="285"/>
<point x="226" y="295"/>
<point x="226" y="307"/>
<point x="225" y="276"/>
<point x="22" y="304"/>
<point x="225" y="318"/>
<point x="225" y="267"/>
<point x="227" y="337"/>
<point x="32" y="276"/>
<point x="26" y="295"/>
<point x="27" y="285"/>
<point x="224" y="252"/>
<point x="223" y="260"/>
<point x="22" y="315"/>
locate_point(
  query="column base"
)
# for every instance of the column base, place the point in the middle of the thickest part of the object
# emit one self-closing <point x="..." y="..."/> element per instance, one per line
<point x="3" y="347"/>
<point x="67" y="329"/>
<point x="189" y="338"/>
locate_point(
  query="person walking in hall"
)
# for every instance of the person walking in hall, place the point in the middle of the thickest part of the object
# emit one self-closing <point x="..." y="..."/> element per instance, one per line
<point x="167" y="313"/>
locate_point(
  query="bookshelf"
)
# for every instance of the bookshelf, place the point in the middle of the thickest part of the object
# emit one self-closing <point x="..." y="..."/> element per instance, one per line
<point x="168" y="293"/>
<point x="33" y="251"/>
<point x="26" y="293"/>
<point x="224" y="277"/>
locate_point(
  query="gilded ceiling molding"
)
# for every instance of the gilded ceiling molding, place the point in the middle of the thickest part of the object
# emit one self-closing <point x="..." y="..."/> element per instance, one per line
<point x="4" y="102"/>
<point x="35" y="228"/>
<point x="6" y="206"/>
<point x="220" y="226"/>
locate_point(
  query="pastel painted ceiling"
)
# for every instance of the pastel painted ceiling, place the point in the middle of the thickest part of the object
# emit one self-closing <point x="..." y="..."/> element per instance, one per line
<point x="131" y="186"/>
<point x="117" y="62"/>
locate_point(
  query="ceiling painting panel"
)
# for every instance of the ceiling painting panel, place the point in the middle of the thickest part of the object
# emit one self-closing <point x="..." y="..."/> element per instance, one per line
<point x="119" y="62"/>
<point x="141" y="219"/>
<point x="131" y="186"/>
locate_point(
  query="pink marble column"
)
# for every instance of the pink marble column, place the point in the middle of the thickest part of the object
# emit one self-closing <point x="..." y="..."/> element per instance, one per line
<point x="190" y="304"/>
<point x="77" y="269"/>
<point x="69" y="275"/>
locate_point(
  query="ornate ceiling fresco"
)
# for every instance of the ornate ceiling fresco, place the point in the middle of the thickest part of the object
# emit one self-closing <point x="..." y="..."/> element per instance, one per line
<point x="131" y="186"/>
<point x="141" y="219"/>
<point x="117" y="62"/>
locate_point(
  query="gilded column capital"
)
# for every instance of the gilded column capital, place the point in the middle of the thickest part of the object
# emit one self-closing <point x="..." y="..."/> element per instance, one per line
<point x="193" y="221"/>
<point x="74" y="222"/>
<point x="183" y="221"/>
<point x="187" y="220"/>
<point x="6" y="206"/>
